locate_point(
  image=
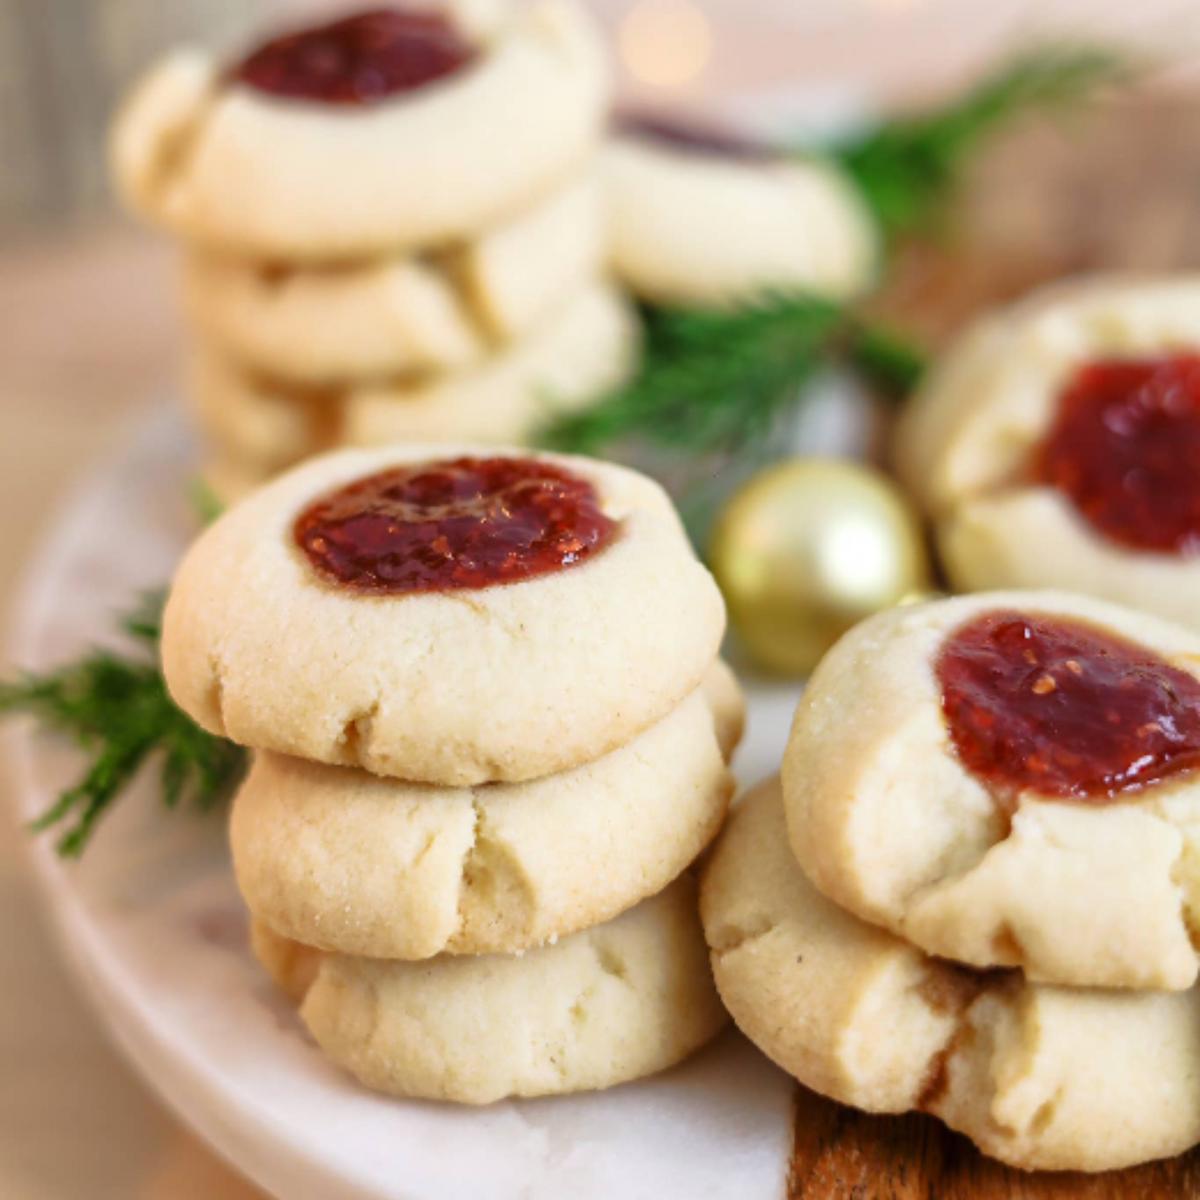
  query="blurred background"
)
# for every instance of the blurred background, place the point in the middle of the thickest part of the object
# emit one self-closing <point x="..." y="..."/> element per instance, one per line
<point x="64" y="64"/>
<point x="88" y="335"/>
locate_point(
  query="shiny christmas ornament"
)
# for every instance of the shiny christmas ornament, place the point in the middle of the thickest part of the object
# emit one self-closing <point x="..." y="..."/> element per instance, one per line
<point x="808" y="548"/>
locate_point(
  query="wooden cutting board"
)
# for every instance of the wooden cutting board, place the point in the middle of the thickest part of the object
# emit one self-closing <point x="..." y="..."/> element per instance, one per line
<point x="1113" y="189"/>
<point x="842" y="1154"/>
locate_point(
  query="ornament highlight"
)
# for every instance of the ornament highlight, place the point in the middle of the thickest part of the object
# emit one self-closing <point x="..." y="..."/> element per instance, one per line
<point x="809" y="547"/>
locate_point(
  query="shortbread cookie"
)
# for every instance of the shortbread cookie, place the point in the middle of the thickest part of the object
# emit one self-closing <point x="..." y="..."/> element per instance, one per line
<point x="316" y="326"/>
<point x="728" y="704"/>
<point x="586" y="348"/>
<point x="545" y="618"/>
<point x="517" y="275"/>
<point x="260" y="424"/>
<point x="699" y="218"/>
<point x="292" y="966"/>
<point x="609" y="1004"/>
<point x="1056" y="445"/>
<point x="1041" y="1077"/>
<point x="301" y="156"/>
<point x="400" y="315"/>
<point x="1010" y="780"/>
<point x="351" y="862"/>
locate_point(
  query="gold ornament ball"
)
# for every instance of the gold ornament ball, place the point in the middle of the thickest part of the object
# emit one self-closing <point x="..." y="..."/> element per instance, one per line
<point x="809" y="547"/>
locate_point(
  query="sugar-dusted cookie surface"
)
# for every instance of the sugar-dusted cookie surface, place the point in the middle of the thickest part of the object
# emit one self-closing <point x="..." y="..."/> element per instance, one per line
<point x="963" y="831"/>
<point x="222" y="162"/>
<point x="972" y="444"/>
<point x="699" y="220"/>
<point x="1043" y="1078"/>
<point x="401" y="315"/>
<point x="609" y="1004"/>
<point x="462" y="686"/>
<point x="347" y="861"/>
<point x="585" y="348"/>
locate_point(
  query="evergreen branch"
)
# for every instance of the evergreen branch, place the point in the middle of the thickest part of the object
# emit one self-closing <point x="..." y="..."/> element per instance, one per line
<point x="886" y="361"/>
<point x="116" y="707"/>
<point x="908" y="167"/>
<point x="717" y="380"/>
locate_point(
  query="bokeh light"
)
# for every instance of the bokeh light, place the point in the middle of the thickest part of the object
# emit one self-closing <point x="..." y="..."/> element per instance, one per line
<point x="665" y="43"/>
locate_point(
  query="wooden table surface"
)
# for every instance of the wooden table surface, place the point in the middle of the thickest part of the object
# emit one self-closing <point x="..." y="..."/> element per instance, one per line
<point x="88" y="334"/>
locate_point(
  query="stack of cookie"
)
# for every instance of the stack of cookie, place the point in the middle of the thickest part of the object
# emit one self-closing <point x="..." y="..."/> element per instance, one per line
<point x="490" y="735"/>
<point x="392" y="226"/>
<point x="989" y="906"/>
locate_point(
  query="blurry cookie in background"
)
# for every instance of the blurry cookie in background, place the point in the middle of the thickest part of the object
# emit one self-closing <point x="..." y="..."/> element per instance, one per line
<point x="701" y="217"/>
<point x="394" y="229"/>
<point x="413" y="314"/>
<point x="392" y="129"/>
<point x="1057" y="444"/>
<point x="588" y="345"/>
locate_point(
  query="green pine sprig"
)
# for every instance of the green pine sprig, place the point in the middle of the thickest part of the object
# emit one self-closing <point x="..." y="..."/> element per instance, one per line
<point x="907" y="168"/>
<point x="717" y="380"/>
<point x="115" y="706"/>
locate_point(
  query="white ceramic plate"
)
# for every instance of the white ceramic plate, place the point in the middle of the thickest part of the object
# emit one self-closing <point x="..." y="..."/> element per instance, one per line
<point x="152" y="924"/>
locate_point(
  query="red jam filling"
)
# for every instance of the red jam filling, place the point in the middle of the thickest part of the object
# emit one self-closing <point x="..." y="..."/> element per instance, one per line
<point x="696" y="139"/>
<point x="358" y="59"/>
<point x="1125" y="449"/>
<point x="1061" y="708"/>
<point x="464" y="523"/>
